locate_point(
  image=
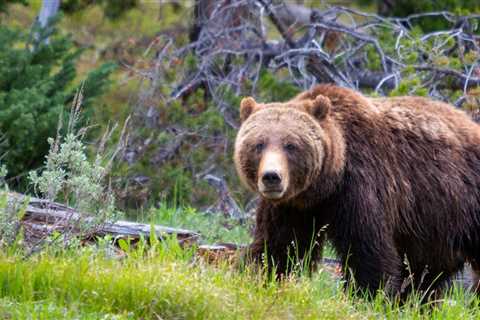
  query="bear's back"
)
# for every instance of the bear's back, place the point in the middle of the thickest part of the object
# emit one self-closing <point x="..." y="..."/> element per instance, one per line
<point x="422" y="117"/>
<point x="430" y="119"/>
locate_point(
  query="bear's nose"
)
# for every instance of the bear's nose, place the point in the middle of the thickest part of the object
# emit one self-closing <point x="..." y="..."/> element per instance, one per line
<point x="271" y="179"/>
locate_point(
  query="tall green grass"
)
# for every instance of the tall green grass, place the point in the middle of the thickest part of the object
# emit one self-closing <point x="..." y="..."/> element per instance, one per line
<point x="168" y="282"/>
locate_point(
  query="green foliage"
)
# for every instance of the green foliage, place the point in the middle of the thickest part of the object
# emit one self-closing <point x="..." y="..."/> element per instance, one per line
<point x="36" y="81"/>
<point x="409" y="86"/>
<point x="416" y="52"/>
<point x="271" y="87"/>
<point x="11" y="212"/>
<point x="69" y="176"/>
<point x="402" y="8"/>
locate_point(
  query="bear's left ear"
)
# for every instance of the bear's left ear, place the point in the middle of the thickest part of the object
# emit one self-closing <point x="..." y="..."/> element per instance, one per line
<point x="247" y="105"/>
<point x="319" y="107"/>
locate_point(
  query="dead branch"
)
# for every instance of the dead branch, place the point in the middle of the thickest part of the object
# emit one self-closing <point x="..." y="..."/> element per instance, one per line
<point x="330" y="49"/>
<point x="278" y="22"/>
<point x="225" y="204"/>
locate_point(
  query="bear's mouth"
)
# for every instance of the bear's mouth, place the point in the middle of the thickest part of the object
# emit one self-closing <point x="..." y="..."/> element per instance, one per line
<point x="272" y="193"/>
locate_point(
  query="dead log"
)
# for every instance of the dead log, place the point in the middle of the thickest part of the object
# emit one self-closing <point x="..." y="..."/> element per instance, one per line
<point x="42" y="217"/>
<point x="136" y="230"/>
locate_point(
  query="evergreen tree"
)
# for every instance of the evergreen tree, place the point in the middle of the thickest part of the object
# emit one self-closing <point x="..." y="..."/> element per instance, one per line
<point x="36" y="83"/>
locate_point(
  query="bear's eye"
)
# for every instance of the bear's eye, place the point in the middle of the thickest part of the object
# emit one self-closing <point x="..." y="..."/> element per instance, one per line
<point x="259" y="147"/>
<point x="290" y="147"/>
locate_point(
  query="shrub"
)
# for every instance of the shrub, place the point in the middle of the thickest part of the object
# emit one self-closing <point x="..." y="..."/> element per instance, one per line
<point x="70" y="177"/>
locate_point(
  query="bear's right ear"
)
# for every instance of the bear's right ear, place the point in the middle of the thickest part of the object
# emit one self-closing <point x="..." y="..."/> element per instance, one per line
<point x="319" y="107"/>
<point x="247" y="105"/>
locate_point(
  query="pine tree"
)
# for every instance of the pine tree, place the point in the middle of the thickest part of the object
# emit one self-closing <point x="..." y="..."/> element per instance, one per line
<point x="36" y="83"/>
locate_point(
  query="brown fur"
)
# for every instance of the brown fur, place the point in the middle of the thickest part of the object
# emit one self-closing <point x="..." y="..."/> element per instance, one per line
<point x="390" y="178"/>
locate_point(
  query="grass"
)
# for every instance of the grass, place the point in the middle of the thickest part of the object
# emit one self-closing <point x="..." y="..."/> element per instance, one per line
<point x="214" y="227"/>
<point x="168" y="282"/>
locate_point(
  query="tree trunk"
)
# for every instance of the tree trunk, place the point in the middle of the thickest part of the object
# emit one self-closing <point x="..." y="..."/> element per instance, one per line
<point x="48" y="10"/>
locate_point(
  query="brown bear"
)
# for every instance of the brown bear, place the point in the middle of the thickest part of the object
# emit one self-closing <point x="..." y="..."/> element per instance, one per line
<point x="392" y="183"/>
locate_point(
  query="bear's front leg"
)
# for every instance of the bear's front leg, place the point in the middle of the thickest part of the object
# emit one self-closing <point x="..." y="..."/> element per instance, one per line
<point x="285" y="239"/>
<point x="371" y="265"/>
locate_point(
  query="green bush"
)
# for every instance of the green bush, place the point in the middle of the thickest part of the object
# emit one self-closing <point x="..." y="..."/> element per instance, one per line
<point x="37" y="73"/>
<point x="68" y="175"/>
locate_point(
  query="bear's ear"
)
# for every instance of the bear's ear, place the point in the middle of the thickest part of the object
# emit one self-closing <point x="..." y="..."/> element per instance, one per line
<point x="247" y="105"/>
<point x="319" y="107"/>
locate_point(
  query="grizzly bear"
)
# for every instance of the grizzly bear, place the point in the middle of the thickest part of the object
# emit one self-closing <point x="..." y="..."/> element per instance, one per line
<point x="392" y="183"/>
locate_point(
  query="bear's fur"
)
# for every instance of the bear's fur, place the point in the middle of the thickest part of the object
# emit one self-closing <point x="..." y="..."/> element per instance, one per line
<point x="393" y="183"/>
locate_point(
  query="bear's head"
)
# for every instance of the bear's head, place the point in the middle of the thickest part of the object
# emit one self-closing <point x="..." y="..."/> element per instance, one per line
<point x="282" y="149"/>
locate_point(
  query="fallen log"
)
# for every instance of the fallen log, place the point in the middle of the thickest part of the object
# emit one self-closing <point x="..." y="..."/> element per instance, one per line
<point x="42" y="217"/>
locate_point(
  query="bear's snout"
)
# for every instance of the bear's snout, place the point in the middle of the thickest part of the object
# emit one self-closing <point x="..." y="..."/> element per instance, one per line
<point x="273" y="175"/>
